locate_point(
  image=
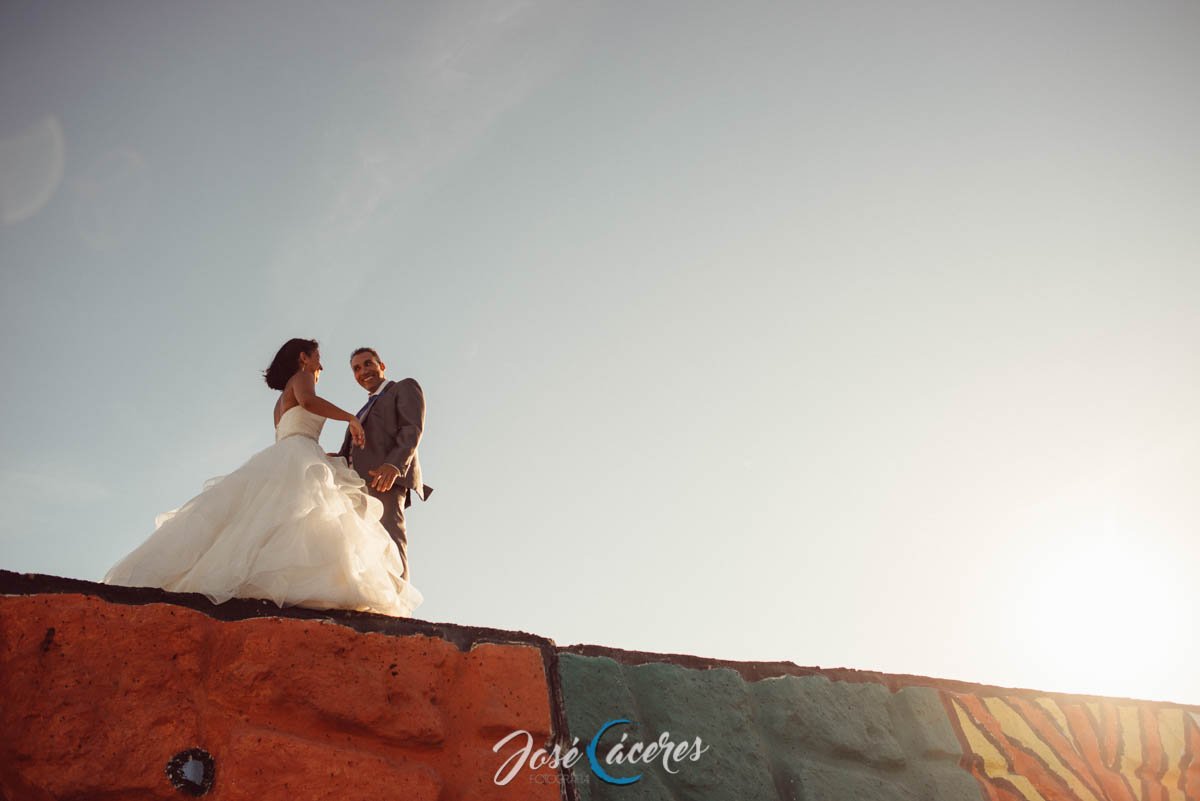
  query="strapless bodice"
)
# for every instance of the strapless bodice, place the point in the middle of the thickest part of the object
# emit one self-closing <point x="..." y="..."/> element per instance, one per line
<point x="298" y="420"/>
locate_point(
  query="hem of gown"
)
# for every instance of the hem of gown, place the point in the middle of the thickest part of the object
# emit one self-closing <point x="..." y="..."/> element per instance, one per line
<point x="313" y="604"/>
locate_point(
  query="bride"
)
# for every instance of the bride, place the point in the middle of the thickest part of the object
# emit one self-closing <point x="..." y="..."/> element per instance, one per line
<point x="292" y="524"/>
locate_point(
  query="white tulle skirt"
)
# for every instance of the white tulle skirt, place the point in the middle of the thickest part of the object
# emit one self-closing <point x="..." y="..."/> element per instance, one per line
<point x="291" y="525"/>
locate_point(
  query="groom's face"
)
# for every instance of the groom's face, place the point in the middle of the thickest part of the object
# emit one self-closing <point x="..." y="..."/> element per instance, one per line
<point x="368" y="371"/>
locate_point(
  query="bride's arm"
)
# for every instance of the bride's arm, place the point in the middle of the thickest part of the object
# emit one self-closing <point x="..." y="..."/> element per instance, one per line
<point x="306" y="395"/>
<point x="305" y="387"/>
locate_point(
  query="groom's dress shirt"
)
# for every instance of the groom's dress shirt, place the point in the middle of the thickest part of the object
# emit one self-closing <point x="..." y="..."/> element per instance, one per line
<point x="382" y="386"/>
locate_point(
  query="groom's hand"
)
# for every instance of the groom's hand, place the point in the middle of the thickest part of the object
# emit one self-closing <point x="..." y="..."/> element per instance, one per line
<point x="383" y="477"/>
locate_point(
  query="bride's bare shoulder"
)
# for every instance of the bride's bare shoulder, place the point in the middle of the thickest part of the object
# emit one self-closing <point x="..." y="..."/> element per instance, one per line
<point x="285" y="401"/>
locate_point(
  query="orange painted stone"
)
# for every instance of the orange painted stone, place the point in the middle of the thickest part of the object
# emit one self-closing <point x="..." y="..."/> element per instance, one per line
<point x="96" y="698"/>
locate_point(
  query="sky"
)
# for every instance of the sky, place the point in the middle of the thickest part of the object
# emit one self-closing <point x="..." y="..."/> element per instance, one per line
<point x="853" y="334"/>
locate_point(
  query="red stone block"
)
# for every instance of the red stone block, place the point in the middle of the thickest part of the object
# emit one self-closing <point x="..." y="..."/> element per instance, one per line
<point x="97" y="697"/>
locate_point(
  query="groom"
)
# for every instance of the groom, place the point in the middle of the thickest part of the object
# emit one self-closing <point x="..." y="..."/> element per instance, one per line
<point x="393" y="418"/>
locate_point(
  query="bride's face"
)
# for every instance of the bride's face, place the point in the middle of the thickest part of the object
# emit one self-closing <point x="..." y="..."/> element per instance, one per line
<point x="312" y="363"/>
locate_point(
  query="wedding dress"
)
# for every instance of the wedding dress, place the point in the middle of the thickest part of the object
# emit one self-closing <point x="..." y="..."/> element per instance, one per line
<point x="290" y="525"/>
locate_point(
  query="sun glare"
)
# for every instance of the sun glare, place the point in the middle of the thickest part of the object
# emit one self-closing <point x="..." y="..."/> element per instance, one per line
<point x="1100" y="616"/>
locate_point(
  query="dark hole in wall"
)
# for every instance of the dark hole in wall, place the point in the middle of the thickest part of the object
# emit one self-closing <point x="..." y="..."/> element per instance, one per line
<point x="192" y="771"/>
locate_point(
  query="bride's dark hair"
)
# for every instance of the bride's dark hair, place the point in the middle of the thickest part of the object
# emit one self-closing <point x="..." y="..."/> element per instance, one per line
<point x="287" y="362"/>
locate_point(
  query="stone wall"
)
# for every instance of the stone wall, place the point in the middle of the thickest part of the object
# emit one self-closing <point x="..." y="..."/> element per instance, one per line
<point x="98" y="697"/>
<point x="786" y="737"/>
<point x="119" y="693"/>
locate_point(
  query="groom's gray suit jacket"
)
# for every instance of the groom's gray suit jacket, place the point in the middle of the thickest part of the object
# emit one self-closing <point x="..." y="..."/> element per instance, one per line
<point x="393" y="428"/>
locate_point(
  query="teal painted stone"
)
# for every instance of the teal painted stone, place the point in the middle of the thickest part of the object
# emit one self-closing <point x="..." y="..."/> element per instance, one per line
<point x="716" y="706"/>
<point x="949" y="781"/>
<point x="922" y="723"/>
<point x="792" y="738"/>
<point x="814" y="714"/>
<point x="846" y="781"/>
<point x="595" y="691"/>
<point x="713" y="705"/>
